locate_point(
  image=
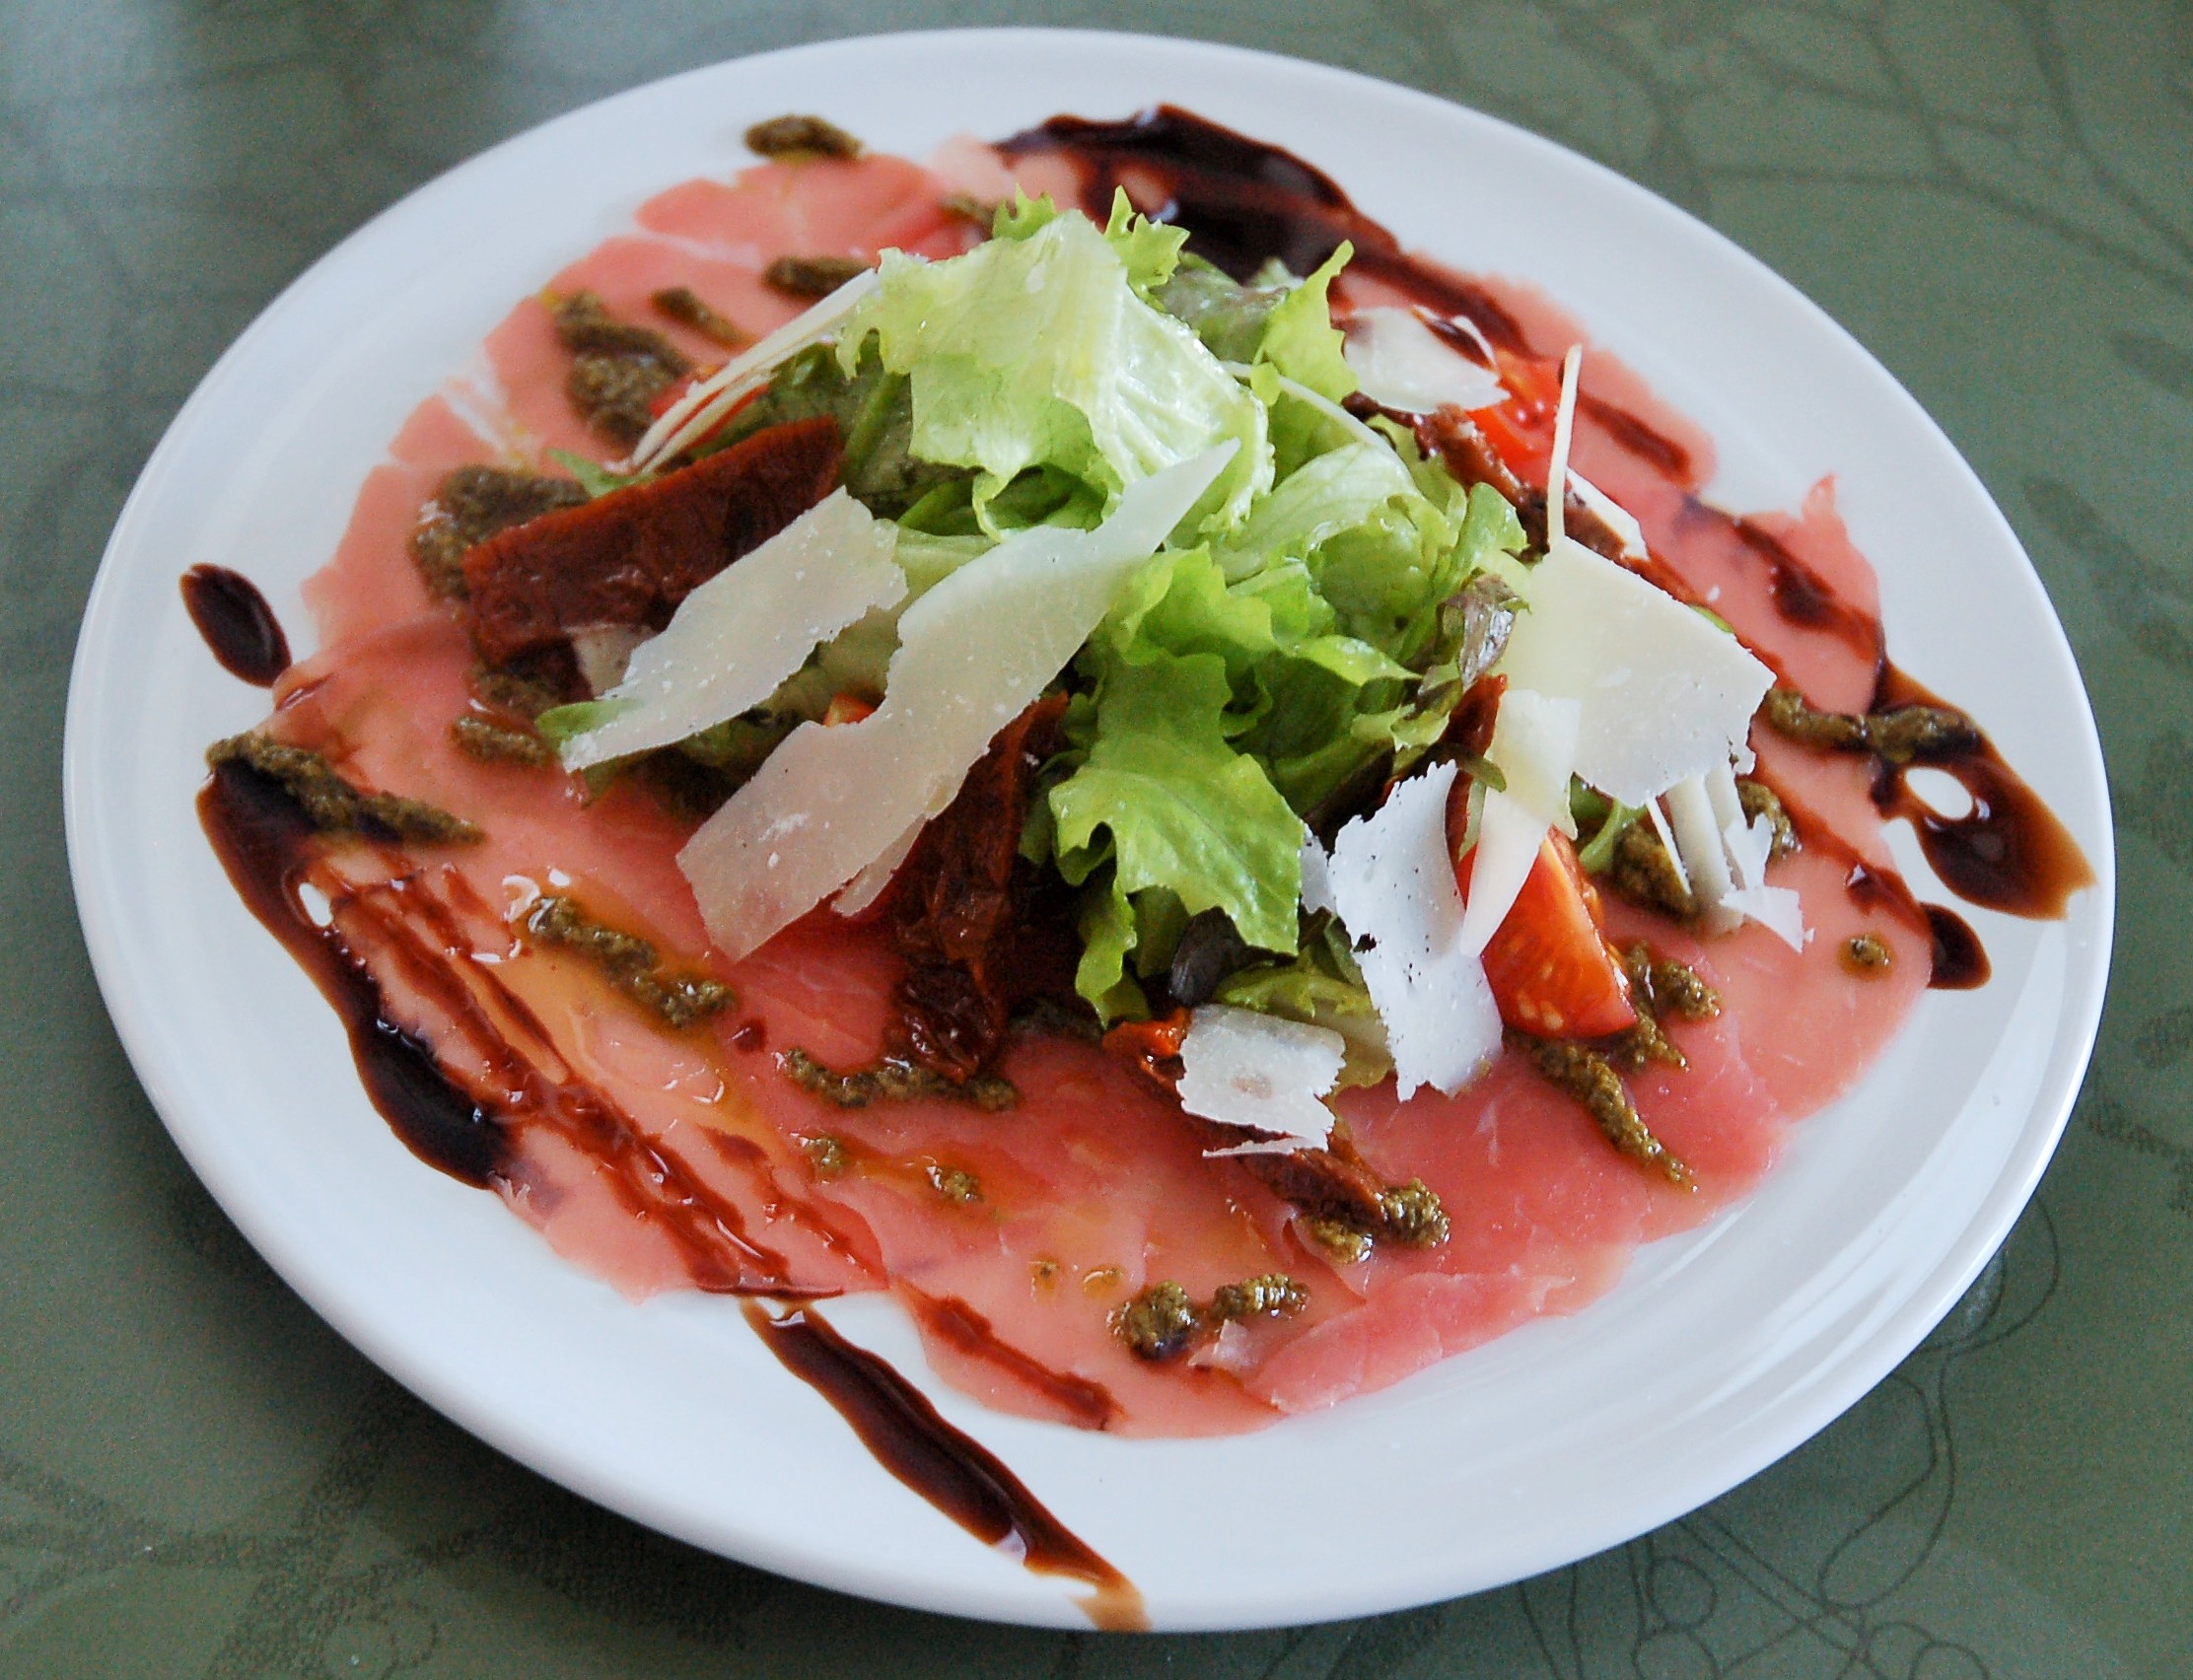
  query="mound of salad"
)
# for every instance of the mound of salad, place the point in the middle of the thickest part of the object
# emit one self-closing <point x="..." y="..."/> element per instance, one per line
<point x="903" y="735"/>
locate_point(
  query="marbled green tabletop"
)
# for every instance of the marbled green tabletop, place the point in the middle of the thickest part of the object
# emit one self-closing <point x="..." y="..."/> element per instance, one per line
<point x="199" y="1478"/>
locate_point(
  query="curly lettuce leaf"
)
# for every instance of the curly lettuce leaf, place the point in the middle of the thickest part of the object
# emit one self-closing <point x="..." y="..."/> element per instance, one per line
<point x="1225" y="315"/>
<point x="1035" y="351"/>
<point x="1163" y="800"/>
<point x="1300" y="339"/>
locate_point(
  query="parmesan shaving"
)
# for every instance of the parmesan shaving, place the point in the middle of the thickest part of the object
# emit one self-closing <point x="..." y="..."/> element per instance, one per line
<point x="1611" y="514"/>
<point x="1392" y="881"/>
<point x="1564" y="433"/>
<point x="1749" y="850"/>
<point x="1248" y="1069"/>
<point x="868" y="887"/>
<point x="1533" y="747"/>
<point x="1668" y="843"/>
<point x="1773" y="908"/>
<point x="692" y="416"/>
<point x="1727" y="803"/>
<point x="1509" y="838"/>
<point x="1400" y="363"/>
<point x="740" y="635"/>
<point x="1316" y="877"/>
<point x="1698" y="839"/>
<point x="975" y="652"/>
<point x="1665" y="692"/>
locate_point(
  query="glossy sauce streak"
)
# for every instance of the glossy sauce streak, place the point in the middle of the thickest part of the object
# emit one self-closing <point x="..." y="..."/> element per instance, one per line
<point x="952" y="1471"/>
<point x="267" y="847"/>
<point x="1799" y="592"/>
<point x="1087" y="1405"/>
<point x="236" y="624"/>
<point x="2008" y="852"/>
<point x="1958" y="964"/>
<point x="265" y="843"/>
<point x="1667" y="455"/>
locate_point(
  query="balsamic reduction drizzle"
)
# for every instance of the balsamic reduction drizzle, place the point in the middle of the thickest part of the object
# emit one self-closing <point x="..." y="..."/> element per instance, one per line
<point x="2008" y="852"/>
<point x="237" y="623"/>
<point x="951" y="1470"/>
<point x="264" y="841"/>
<point x="1086" y="1404"/>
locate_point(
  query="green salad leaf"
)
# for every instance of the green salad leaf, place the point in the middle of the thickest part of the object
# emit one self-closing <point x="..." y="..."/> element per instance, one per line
<point x="1300" y="339"/>
<point x="1035" y="351"/>
<point x="1225" y="315"/>
<point x="1161" y="799"/>
<point x="1306" y="636"/>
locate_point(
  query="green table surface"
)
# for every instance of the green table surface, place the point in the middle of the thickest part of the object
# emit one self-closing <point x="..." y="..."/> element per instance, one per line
<point x="197" y="1477"/>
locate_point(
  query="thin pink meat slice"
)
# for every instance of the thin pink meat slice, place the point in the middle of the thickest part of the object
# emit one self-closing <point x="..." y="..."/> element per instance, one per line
<point x="1092" y="1189"/>
<point x="372" y="582"/>
<point x="829" y="207"/>
<point x="1089" y="1192"/>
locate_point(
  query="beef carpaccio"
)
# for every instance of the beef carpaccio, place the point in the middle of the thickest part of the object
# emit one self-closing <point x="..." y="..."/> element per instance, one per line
<point x="539" y="1008"/>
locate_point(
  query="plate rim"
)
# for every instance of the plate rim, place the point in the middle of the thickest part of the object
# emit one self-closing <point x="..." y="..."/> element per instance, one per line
<point x="1886" y="1345"/>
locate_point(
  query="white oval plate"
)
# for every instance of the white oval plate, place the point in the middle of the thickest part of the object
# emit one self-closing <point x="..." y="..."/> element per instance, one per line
<point x="1721" y="1351"/>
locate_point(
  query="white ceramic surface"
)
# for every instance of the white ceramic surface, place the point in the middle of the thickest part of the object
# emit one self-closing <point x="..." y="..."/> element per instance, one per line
<point x="1721" y="1351"/>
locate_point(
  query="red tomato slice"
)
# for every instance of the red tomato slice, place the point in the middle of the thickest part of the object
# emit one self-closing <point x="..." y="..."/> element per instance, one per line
<point x="1552" y="972"/>
<point x="1521" y="429"/>
<point x="846" y="707"/>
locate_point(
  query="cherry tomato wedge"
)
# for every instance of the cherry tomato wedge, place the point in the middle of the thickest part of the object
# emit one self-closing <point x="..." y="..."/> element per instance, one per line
<point x="1552" y="972"/>
<point x="1521" y="429"/>
<point x="847" y="707"/>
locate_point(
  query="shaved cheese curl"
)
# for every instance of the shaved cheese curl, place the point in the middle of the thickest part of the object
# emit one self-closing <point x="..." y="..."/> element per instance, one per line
<point x="1392" y="878"/>
<point x="695" y="414"/>
<point x="974" y="653"/>
<point x="1775" y="908"/>
<point x="1316" y="877"/>
<point x="870" y="884"/>
<point x="605" y="653"/>
<point x="1400" y="363"/>
<point x="1728" y="802"/>
<point x="1509" y="838"/>
<point x="1665" y="693"/>
<point x="1533" y="747"/>
<point x="1564" y="432"/>
<point x="1698" y="838"/>
<point x="736" y="639"/>
<point x="1666" y="836"/>
<point x="1248" y="1069"/>
<point x="1611" y="514"/>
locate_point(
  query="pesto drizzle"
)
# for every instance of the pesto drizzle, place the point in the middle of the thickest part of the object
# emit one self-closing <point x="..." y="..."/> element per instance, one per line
<point x="794" y="137"/>
<point x="630" y="962"/>
<point x="892" y="1079"/>
<point x="1164" y="1321"/>
<point x="335" y="805"/>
